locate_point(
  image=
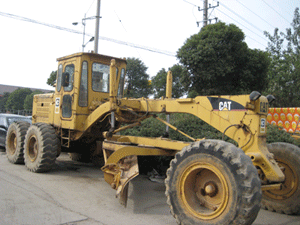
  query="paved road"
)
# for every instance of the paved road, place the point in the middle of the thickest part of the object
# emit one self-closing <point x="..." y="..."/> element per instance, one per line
<point x="76" y="194"/>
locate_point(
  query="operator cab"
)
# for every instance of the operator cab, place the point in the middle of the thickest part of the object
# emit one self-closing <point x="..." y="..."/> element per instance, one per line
<point x="83" y="84"/>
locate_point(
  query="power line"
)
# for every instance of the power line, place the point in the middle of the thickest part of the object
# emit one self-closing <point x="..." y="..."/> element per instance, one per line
<point x="120" y="21"/>
<point x="275" y="11"/>
<point x="286" y="6"/>
<point x="37" y="22"/>
<point x="190" y="3"/>
<point x="12" y="16"/>
<point x="245" y="21"/>
<point x="243" y="26"/>
<point x="194" y="6"/>
<point x="256" y="14"/>
<point x="90" y="7"/>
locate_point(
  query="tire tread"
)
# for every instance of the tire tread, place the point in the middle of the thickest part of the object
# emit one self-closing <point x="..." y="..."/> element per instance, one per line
<point x="250" y="185"/>
<point x="20" y="128"/>
<point x="48" y="148"/>
<point x="292" y="206"/>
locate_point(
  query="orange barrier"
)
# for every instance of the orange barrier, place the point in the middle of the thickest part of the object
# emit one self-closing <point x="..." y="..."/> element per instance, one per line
<point x="287" y="118"/>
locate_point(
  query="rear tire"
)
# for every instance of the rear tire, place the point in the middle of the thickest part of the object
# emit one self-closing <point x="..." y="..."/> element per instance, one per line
<point x="41" y="147"/>
<point x="286" y="200"/>
<point x="213" y="182"/>
<point x="15" y="141"/>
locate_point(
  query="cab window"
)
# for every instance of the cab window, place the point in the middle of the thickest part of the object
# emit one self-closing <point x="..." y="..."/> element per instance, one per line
<point x="59" y="74"/>
<point x="83" y="92"/>
<point x="70" y="69"/>
<point x="100" y="77"/>
<point x="121" y="83"/>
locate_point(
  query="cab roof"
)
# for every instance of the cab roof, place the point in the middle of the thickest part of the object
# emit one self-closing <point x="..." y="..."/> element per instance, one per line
<point x="91" y="55"/>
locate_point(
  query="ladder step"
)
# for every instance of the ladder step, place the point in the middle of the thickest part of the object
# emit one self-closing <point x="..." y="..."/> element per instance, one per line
<point x="65" y="138"/>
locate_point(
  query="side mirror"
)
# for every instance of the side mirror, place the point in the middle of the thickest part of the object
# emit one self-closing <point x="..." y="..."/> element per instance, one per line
<point x="65" y="79"/>
<point x="254" y="95"/>
<point x="270" y="98"/>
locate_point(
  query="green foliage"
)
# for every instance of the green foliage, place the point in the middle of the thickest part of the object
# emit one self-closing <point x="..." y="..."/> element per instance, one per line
<point x="28" y="102"/>
<point x="276" y="134"/>
<point x="52" y="79"/>
<point x="3" y="100"/>
<point x="191" y="125"/>
<point x="197" y="129"/>
<point x="16" y="99"/>
<point x="220" y="62"/>
<point x="284" y="72"/>
<point x="194" y="127"/>
<point x="159" y="82"/>
<point x="256" y="70"/>
<point x="150" y="128"/>
<point x="187" y="123"/>
<point x="137" y="80"/>
<point x="192" y="94"/>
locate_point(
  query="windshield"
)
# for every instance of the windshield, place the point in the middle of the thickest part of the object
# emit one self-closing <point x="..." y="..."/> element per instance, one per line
<point x="100" y="77"/>
<point x="121" y="84"/>
<point x="70" y="69"/>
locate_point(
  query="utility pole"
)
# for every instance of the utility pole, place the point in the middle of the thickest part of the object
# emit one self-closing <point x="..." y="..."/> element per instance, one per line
<point x="83" y="23"/>
<point x="97" y="26"/>
<point x="205" y="4"/>
<point x="205" y="9"/>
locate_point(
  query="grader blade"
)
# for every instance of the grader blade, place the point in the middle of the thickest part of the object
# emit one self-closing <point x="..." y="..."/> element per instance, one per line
<point x="119" y="173"/>
<point x="130" y="170"/>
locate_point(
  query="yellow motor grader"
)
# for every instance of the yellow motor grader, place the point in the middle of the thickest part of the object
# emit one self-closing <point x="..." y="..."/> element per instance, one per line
<point x="208" y="181"/>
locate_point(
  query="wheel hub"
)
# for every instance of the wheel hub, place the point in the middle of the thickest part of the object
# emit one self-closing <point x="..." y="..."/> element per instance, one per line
<point x="12" y="142"/>
<point x="32" y="148"/>
<point x="205" y="191"/>
<point x="210" y="189"/>
<point x="290" y="184"/>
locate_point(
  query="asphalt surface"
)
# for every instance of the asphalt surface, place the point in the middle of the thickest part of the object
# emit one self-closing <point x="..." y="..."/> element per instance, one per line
<point x="76" y="194"/>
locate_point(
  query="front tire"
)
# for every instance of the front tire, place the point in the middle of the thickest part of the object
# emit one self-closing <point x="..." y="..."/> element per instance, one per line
<point x="41" y="147"/>
<point x="213" y="182"/>
<point x="286" y="200"/>
<point x="15" y="141"/>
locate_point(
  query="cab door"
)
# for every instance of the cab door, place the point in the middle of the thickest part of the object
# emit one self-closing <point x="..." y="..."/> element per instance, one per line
<point x="64" y="95"/>
<point x="68" y="92"/>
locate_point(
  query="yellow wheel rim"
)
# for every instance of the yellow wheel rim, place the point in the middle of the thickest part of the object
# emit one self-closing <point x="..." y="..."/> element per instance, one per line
<point x="12" y="143"/>
<point x="289" y="186"/>
<point x="204" y="191"/>
<point x="32" y="148"/>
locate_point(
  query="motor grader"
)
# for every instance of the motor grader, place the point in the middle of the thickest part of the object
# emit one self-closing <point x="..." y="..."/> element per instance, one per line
<point x="208" y="181"/>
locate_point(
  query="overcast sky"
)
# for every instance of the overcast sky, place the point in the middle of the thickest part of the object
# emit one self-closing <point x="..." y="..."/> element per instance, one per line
<point x="29" y="50"/>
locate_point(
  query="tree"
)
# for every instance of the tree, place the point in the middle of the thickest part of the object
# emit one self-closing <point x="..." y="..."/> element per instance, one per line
<point x="220" y="62"/>
<point x="52" y="79"/>
<point x="159" y="82"/>
<point x="137" y="80"/>
<point x="28" y="102"/>
<point x="16" y="99"/>
<point x="3" y="100"/>
<point x="256" y="70"/>
<point x="284" y="72"/>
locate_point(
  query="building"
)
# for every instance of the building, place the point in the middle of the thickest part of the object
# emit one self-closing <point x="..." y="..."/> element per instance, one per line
<point x="8" y="88"/>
